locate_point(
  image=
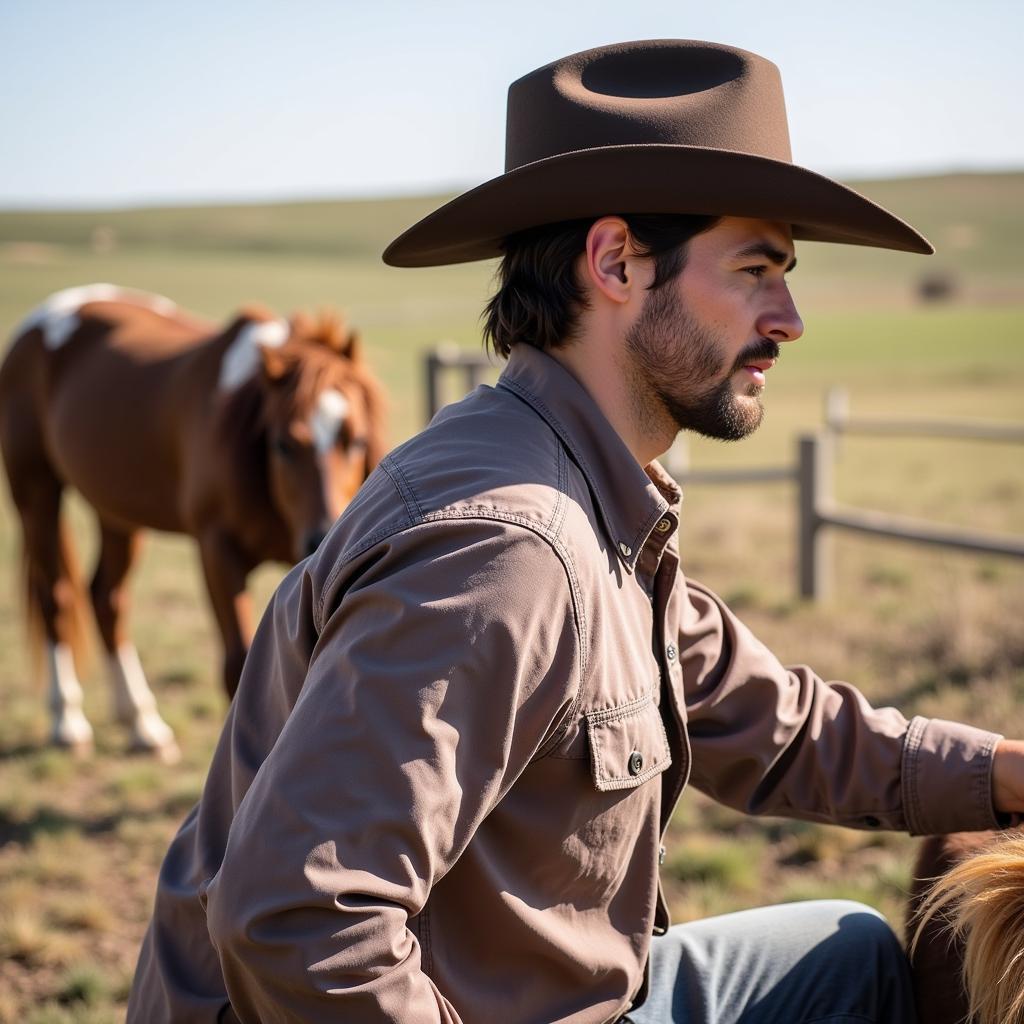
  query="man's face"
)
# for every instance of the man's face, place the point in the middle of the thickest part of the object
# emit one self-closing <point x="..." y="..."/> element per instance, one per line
<point x="702" y="343"/>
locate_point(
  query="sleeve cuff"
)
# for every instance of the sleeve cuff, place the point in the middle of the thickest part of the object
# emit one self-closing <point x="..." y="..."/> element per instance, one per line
<point x="947" y="778"/>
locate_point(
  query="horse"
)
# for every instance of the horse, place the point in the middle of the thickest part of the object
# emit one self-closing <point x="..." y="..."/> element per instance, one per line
<point x="250" y="438"/>
<point x="965" y="928"/>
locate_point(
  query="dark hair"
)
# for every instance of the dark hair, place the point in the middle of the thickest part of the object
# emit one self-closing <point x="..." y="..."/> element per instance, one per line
<point x="539" y="298"/>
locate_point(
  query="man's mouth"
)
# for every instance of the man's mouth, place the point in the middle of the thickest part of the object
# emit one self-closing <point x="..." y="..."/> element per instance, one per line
<point x="758" y="368"/>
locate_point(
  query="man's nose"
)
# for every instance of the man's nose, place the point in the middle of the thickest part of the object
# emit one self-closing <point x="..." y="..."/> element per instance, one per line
<point x="781" y="321"/>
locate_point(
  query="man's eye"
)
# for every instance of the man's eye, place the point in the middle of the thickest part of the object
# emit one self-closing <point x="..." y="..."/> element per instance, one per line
<point x="756" y="271"/>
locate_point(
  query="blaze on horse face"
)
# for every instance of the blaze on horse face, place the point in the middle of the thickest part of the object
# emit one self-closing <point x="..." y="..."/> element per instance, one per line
<point x="319" y="417"/>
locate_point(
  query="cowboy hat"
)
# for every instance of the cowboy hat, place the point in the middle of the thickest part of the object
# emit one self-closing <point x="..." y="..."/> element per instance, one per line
<point x="656" y="126"/>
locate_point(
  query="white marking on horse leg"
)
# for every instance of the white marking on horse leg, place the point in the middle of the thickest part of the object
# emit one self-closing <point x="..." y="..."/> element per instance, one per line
<point x="135" y="704"/>
<point x="242" y="358"/>
<point x="70" y="726"/>
<point x="326" y="419"/>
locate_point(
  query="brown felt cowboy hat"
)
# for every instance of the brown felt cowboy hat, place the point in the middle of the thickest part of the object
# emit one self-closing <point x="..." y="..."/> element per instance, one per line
<point x="657" y="126"/>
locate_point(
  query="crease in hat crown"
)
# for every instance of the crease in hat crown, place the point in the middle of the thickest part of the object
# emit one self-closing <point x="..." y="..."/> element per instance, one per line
<point x="655" y="92"/>
<point x="670" y="126"/>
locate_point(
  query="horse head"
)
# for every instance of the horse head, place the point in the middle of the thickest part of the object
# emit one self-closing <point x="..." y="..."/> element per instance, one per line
<point x="322" y="417"/>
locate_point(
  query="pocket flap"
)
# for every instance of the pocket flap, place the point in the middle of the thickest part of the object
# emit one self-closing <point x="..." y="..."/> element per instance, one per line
<point x="628" y="744"/>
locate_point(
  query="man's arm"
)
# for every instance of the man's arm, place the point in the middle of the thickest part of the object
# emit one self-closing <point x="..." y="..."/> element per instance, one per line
<point x="439" y="673"/>
<point x="1008" y="777"/>
<point x="773" y="740"/>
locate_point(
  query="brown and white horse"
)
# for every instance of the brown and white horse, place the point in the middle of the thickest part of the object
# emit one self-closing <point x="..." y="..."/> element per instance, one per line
<point x="251" y="438"/>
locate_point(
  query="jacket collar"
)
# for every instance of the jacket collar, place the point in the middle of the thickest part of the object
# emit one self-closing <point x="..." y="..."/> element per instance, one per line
<point x="630" y="500"/>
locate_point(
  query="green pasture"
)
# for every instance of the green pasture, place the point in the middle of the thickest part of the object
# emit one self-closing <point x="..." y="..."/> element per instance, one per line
<point x="933" y="631"/>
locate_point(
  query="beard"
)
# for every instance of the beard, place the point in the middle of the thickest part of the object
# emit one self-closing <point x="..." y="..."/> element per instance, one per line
<point x="679" y="362"/>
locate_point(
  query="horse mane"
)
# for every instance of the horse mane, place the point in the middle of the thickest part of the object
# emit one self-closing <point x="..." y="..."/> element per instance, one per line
<point x="981" y="901"/>
<point x="330" y="329"/>
<point x="240" y="419"/>
<point x="243" y="413"/>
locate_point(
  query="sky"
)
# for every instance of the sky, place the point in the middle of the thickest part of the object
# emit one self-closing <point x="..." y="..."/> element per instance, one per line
<point x="109" y="103"/>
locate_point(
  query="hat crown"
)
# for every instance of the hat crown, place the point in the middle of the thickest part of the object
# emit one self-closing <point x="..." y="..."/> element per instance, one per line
<point x="676" y="92"/>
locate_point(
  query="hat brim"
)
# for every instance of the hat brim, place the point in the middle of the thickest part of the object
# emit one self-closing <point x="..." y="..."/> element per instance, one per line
<point x="648" y="179"/>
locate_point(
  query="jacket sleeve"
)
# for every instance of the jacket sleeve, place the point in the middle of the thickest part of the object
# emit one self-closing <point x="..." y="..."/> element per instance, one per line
<point x="767" y="739"/>
<point x="447" y="661"/>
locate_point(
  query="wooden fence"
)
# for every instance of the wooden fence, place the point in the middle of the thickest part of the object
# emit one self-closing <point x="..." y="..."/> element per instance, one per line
<point x="818" y="514"/>
<point x="446" y="357"/>
<point x="818" y="511"/>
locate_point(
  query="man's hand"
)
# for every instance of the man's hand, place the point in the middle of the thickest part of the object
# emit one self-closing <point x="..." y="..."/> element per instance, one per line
<point x="1008" y="776"/>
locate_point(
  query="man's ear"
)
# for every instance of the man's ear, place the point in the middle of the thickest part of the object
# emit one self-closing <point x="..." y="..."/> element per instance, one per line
<point x="609" y="257"/>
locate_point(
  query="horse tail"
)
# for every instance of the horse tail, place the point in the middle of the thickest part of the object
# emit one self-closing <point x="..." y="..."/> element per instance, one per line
<point x="75" y="603"/>
<point x="72" y="602"/>
<point x="33" y="616"/>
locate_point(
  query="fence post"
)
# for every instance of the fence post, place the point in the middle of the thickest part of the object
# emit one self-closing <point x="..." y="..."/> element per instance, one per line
<point x="677" y="459"/>
<point x="443" y="354"/>
<point x="475" y="373"/>
<point x="433" y="382"/>
<point x="837" y="413"/>
<point x="815" y="498"/>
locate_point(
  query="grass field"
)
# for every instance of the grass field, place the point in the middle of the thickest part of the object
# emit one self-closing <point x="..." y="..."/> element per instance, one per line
<point x="933" y="632"/>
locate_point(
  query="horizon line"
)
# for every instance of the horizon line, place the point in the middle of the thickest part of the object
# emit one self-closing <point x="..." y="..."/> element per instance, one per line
<point x="109" y="204"/>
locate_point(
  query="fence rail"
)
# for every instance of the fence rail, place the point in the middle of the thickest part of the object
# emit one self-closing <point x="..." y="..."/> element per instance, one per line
<point x="839" y="421"/>
<point x="819" y="511"/>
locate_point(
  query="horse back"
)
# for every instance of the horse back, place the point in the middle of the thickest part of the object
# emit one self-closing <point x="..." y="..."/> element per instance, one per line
<point x="106" y="375"/>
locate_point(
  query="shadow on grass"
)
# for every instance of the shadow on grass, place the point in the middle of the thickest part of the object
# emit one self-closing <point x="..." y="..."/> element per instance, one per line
<point x="51" y="821"/>
<point x="19" y="750"/>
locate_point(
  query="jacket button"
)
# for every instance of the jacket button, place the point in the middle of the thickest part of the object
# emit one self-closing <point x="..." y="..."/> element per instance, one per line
<point x="663" y="525"/>
<point x="625" y="549"/>
<point x="670" y="652"/>
<point x="636" y="763"/>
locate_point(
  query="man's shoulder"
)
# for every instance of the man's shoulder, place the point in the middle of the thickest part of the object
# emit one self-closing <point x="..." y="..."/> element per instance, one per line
<point x="484" y="489"/>
<point x="490" y="455"/>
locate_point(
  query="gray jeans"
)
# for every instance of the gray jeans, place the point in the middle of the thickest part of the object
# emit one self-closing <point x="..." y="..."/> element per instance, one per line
<point x="822" y="961"/>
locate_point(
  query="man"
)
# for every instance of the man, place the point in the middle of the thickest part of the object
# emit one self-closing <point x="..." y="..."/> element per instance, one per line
<point x="465" y="722"/>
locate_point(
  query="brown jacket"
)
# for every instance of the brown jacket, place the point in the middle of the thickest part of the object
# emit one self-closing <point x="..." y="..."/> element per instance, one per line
<point x="464" y="724"/>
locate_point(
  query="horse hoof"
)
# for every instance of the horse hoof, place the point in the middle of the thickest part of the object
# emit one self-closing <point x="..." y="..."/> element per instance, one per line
<point x="73" y="734"/>
<point x="168" y="752"/>
<point x="79" y="749"/>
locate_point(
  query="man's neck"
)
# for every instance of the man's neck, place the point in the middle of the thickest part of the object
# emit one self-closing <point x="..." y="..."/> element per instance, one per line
<point x="599" y="370"/>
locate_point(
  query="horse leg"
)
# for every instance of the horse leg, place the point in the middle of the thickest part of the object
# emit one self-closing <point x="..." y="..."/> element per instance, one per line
<point x="134" y="702"/>
<point x="225" y="569"/>
<point x="54" y="597"/>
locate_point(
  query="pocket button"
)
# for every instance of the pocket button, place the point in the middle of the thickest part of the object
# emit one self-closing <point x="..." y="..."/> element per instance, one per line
<point x="636" y="763"/>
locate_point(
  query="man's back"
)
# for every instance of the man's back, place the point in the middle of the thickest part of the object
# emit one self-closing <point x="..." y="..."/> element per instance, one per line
<point x="448" y="734"/>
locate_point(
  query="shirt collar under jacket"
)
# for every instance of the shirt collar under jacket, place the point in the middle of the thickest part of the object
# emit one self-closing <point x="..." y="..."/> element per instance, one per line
<point x="631" y="501"/>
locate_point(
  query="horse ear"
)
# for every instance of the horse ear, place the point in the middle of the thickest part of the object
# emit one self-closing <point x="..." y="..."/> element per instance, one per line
<point x="352" y="347"/>
<point x="302" y="324"/>
<point x="274" y="362"/>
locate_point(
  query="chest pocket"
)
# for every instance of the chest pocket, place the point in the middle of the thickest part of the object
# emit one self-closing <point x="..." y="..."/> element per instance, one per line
<point x="628" y="744"/>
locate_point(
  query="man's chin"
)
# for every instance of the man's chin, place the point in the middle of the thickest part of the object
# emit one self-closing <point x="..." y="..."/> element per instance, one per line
<point x="722" y="415"/>
<point x="743" y="418"/>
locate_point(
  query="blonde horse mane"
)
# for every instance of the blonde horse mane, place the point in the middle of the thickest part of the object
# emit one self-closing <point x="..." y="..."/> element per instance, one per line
<point x="981" y="901"/>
